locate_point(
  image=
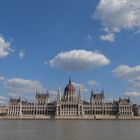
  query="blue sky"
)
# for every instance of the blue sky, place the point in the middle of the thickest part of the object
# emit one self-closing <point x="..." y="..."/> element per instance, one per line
<point x="43" y="42"/>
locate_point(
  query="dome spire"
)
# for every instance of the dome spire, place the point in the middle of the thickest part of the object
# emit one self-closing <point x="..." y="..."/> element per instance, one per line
<point x="69" y="80"/>
<point x="69" y="91"/>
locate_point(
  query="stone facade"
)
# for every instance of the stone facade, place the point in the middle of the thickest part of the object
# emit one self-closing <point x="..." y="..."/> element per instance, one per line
<point x="136" y="109"/>
<point x="71" y="105"/>
<point x="3" y="110"/>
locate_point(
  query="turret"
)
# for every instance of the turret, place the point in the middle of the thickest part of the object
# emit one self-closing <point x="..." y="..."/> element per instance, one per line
<point x="42" y="98"/>
<point x="36" y="92"/>
<point x="69" y="80"/>
<point x="91" y="97"/>
<point x="79" y="95"/>
<point x="19" y="99"/>
<point x="59" y="95"/>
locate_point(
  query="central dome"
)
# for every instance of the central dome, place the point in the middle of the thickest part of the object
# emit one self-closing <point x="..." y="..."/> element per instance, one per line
<point x="69" y="89"/>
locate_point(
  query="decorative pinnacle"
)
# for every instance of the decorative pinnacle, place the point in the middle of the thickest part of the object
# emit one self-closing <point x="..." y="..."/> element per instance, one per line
<point x="69" y="80"/>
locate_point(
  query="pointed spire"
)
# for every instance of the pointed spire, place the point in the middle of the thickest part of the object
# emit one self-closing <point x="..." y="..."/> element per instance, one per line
<point x="79" y="94"/>
<point x="59" y="94"/>
<point x="10" y="98"/>
<point x="36" y="92"/>
<point x="129" y="99"/>
<point x="69" y="80"/>
<point x="59" y="90"/>
<point x="102" y="92"/>
<point x="91" y="97"/>
<point x="119" y="98"/>
<point x="92" y="93"/>
<point x="47" y="92"/>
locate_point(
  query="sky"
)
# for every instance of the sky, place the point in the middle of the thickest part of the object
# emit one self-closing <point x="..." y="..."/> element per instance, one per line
<point x="94" y="42"/>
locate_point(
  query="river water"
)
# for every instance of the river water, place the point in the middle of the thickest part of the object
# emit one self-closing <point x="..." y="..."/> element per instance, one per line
<point x="69" y="130"/>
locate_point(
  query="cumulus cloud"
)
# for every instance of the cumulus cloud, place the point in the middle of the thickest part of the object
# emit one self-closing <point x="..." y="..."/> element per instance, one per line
<point x="132" y="94"/>
<point x="93" y="83"/>
<point x="5" y="48"/>
<point x="18" y="86"/>
<point x="1" y="78"/>
<point x="21" y="86"/>
<point x="135" y="82"/>
<point x="80" y="86"/>
<point x="21" y="54"/>
<point x="77" y="85"/>
<point x="3" y="100"/>
<point x="78" y="60"/>
<point x="130" y="75"/>
<point x="108" y="37"/>
<point x="116" y="15"/>
<point x="126" y="72"/>
<point x="53" y="95"/>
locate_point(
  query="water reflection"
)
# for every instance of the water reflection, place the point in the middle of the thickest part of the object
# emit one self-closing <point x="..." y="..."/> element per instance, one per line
<point x="69" y="130"/>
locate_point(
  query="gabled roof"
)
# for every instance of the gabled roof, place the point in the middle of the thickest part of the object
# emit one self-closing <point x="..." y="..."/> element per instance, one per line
<point x="124" y="101"/>
<point x="98" y="96"/>
<point x="42" y="96"/>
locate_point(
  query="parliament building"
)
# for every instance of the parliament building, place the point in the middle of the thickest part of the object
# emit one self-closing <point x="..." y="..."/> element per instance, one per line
<point x="70" y="106"/>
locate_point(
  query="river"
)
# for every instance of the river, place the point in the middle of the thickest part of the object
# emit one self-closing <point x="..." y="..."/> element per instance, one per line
<point x="69" y="130"/>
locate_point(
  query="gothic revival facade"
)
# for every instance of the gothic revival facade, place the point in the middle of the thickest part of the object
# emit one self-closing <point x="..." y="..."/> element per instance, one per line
<point x="70" y="105"/>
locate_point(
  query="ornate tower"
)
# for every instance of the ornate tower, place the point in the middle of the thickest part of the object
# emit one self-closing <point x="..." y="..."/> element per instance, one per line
<point x="79" y="95"/>
<point x="59" y="95"/>
<point x="69" y="91"/>
<point x="91" y="96"/>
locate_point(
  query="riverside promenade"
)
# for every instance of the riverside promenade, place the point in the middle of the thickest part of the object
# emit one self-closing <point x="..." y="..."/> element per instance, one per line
<point x="43" y="117"/>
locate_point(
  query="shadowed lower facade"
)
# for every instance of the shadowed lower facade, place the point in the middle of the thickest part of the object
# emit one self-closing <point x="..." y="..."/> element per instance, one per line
<point x="70" y="106"/>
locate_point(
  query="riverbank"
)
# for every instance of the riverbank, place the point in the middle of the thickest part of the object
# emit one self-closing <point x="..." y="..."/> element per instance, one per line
<point x="43" y="117"/>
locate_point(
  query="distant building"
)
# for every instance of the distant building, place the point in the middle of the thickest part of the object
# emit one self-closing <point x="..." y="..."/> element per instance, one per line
<point x="71" y="105"/>
<point x="125" y="107"/>
<point x="136" y="110"/>
<point x="3" y="110"/>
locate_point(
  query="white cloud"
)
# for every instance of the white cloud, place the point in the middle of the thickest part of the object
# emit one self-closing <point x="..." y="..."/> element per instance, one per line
<point x="77" y="85"/>
<point x="21" y="54"/>
<point x="132" y="94"/>
<point x="2" y="102"/>
<point x="21" y="86"/>
<point x="126" y="72"/>
<point x="130" y="75"/>
<point x="93" y="83"/>
<point x="14" y="95"/>
<point x="5" y="48"/>
<point x="80" y="86"/>
<point x="135" y="82"/>
<point x="16" y="86"/>
<point x="108" y="37"/>
<point x="78" y="60"/>
<point x="2" y="98"/>
<point x="1" y="78"/>
<point x="116" y="15"/>
<point x="53" y="95"/>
